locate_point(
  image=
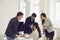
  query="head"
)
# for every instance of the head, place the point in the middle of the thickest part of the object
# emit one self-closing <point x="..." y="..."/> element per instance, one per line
<point x="43" y="16"/>
<point x="33" y="16"/>
<point x="19" y="15"/>
<point x="35" y="25"/>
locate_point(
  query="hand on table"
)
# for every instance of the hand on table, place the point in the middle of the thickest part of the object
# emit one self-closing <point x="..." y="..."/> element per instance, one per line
<point x="45" y="27"/>
<point x="42" y="33"/>
<point x="17" y="35"/>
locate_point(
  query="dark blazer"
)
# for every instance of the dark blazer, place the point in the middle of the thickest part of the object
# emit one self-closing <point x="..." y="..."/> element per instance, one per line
<point x="27" y="25"/>
<point x="20" y="27"/>
<point x="11" y="30"/>
<point x="39" y="31"/>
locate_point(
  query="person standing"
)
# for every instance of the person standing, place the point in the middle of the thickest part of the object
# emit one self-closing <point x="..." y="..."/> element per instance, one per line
<point x="11" y="31"/>
<point x="28" y="25"/>
<point x="47" y="27"/>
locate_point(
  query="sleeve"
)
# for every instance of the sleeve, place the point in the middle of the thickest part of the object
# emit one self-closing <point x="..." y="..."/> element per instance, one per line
<point x="39" y="31"/>
<point x="10" y="23"/>
<point x="16" y="23"/>
<point x="27" y="20"/>
<point x="50" y="24"/>
<point x="46" y="24"/>
<point x="33" y="20"/>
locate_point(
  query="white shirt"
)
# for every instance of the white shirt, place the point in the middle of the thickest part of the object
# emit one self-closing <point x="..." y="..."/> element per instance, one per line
<point x="34" y="35"/>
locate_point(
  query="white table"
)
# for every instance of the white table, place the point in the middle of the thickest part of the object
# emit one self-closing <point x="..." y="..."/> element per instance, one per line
<point x="22" y="38"/>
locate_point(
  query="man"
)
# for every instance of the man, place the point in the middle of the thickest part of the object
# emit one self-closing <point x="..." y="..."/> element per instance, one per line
<point x="20" y="27"/>
<point x="11" y="31"/>
<point x="28" y="24"/>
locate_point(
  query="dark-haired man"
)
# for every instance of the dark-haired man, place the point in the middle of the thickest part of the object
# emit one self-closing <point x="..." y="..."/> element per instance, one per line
<point x="11" y="31"/>
<point x="28" y="23"/>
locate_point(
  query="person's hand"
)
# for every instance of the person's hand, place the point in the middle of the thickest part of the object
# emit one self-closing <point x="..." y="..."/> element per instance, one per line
<point x="26" y="35"/>
<point x="45" y="27"/>
<point x="21" y="35"/>
<point x="17" y="35"/>
<point x="42" y="33"/>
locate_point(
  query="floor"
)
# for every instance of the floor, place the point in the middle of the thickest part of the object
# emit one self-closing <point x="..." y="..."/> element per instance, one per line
<point x="57" y="36"/>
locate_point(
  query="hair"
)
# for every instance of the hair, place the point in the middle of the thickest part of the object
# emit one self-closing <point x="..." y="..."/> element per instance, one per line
<point x="35" y="24"/>
<point x="44" y="15"/>
<point x="19" y="14"/>
<point x="37" y="27"/>
<point x="34" y="15"/>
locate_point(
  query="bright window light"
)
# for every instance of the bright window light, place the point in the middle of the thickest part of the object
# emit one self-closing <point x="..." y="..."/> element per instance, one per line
<point x="57" y="15"/>
<point x="22" y="7"/>
<point x="34" y="8"/>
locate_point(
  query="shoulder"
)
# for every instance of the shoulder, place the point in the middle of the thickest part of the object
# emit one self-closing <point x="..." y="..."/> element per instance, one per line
<point x="14" y="19"/>
<point x="48" y="20"/>
<point x="28" y="18"/>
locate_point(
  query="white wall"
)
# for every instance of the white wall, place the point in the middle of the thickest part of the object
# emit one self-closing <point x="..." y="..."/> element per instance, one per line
<point x="57" y="0"/>
<point x="8" y="9"/>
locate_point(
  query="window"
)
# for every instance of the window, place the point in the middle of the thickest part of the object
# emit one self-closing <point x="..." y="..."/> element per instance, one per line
<point x="57" y="15"/>
<point x="34" y="8"/>
<point x="22" y="6"/>
<point x="52" y="11"/>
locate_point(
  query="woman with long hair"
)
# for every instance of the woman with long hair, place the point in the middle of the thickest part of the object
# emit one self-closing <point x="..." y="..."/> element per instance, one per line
<point x="47" y="27"/>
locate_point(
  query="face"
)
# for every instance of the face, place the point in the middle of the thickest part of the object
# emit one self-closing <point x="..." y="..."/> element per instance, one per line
<point x="42" y="17"/>
<point x="20" y="17"/>
<point x="33" y="27"/>
<point x="33" y="17"/>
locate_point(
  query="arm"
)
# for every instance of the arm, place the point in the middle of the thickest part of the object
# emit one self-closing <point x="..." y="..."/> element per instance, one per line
<point x="39" y="31"/>
<point x="33" y="20"/>
<point x="27" y="21"/>
<point x="48" y="24"/>
<point x="15" y="26"/>
<point x="30" y="36"/>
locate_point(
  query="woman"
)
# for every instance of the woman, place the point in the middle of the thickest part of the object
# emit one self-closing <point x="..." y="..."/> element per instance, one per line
<point x="47" y="27"/>
<point x="35" y="33"/>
